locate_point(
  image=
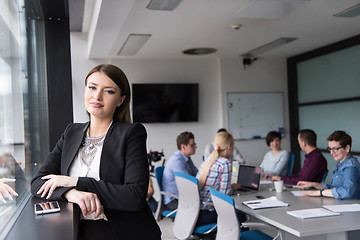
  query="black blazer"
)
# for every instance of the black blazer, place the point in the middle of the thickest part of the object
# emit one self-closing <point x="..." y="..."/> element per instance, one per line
<point x="124" y="177"/>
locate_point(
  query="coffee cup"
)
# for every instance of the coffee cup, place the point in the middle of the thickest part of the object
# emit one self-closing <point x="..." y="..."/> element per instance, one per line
<point x="279" y="185"/>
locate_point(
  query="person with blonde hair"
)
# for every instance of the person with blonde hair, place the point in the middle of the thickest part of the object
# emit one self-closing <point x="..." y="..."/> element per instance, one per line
<point x="215" y="172"/>
<point x="236" y="155"/>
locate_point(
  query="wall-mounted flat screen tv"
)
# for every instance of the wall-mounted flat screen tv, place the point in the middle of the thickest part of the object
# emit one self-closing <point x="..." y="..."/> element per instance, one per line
<point x="155" y="103"/>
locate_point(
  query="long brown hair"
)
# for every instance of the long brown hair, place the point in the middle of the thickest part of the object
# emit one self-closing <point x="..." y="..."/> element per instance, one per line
<point x="222" y="141"/>
<point x="122" y="113"/>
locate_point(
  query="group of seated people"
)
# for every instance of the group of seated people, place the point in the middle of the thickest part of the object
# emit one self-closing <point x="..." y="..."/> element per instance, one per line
<point x="314" y="167"/>
<point x="345" y="180"/>
<point x="216" y="170"/>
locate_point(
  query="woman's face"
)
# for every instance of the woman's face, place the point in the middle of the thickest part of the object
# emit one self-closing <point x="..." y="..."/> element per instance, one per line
<point x="102" y="96"/>
<point x="338" y="152"/>
<point x="275" y="144"/>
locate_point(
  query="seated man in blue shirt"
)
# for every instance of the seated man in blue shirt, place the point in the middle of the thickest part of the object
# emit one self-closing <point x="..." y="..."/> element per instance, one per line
<point x="345" y="181"/>
<point x="180" y="161"/>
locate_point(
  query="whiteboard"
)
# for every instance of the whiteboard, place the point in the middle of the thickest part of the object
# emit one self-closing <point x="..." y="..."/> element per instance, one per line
<point x="253" y="115"/>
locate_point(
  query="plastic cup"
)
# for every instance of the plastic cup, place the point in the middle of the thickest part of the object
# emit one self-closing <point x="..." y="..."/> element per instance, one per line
<point x="279" y="185"/>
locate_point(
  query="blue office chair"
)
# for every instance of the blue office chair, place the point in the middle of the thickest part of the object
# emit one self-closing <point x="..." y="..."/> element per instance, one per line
<point x="160" y="208"/>
<point x="325" y="175"/>
<point x="228" y="227"/>
<point x="291" y="164"/>
<point x="188" y="208"/>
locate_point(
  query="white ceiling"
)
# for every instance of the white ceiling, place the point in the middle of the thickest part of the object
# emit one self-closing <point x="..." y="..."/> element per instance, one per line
<point x="207" y="23"/>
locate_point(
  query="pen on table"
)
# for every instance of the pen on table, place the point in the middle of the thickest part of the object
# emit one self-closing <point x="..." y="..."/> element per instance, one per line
<point x="253" y="202"/>
<point x="268" y="177"/>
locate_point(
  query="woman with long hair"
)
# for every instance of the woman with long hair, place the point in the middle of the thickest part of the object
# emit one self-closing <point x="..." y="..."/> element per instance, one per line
<point x="101" y="166"/>
<point x="216" y="172"/>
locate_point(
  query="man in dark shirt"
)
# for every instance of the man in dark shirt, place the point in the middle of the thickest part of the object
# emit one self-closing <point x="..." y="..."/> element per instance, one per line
<point x="315" y="164"/>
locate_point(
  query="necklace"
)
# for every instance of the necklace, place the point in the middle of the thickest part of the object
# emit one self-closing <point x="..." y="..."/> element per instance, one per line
<point x="89" y="148"/>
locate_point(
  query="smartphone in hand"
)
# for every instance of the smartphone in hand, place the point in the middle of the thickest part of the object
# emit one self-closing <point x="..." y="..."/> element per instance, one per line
<point x="47" y="207"/>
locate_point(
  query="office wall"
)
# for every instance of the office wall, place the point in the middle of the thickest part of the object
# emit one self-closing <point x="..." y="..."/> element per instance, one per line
<point x="264" y="75"/>
<point x="215" y="78"/>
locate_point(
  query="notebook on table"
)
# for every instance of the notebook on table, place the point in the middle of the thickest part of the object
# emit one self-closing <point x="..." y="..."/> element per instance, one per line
<point x="248" y="178"/>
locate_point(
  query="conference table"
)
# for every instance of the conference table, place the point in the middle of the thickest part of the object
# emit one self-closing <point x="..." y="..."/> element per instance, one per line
<point x="334" y="227"/>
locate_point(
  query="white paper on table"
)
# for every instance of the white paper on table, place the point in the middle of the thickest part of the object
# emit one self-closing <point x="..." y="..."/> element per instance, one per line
<point x="270" y="202"/>
<point x="343" y="207"/>
<point x="297" y="193"/>
<point x="312" y="213"/>
<point x="266" y="182"/>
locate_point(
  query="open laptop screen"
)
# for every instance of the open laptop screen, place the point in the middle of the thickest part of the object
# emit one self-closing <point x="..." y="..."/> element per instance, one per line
<point x="249" y="176"/>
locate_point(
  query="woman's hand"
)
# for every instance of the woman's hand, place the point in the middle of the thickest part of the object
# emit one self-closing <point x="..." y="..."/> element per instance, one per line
<point x="54" y="181"/>
<point x="5" y="190"/>
<point x="272" y="177"/>
<point x="305" y="184"/>
<point x="150" y="192"/>
<point x="313" y="193"/>
<point x="88" y="202"/>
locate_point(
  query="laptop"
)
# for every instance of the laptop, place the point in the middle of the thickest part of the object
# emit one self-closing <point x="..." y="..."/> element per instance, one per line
<point x="249" y="178"/>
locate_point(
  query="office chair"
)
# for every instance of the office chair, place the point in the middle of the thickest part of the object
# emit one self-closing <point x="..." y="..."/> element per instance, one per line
<point x="325" y="175"/>
<point x="161" y="206"/>
<point x="228" y="227"/>
<point x="291" y="164"/>
<point x="188" y="208"/>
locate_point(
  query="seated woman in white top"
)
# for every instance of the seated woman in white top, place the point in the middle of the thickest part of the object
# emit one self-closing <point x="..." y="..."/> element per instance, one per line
<point x="276" y="161"/>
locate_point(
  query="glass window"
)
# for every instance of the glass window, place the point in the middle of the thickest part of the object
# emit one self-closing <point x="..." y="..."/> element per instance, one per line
<point x="23" y="102"/>
<point x="326" y="118"/>
<point x="331" y="76"/>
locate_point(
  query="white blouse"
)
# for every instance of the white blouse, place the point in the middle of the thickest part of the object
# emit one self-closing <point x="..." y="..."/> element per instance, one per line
<point x="79" y="169"/>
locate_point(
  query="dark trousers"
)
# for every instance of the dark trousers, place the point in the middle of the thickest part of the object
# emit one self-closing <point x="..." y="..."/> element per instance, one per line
<point x="172" y="205"/>
<point x="153" y="204"/>
<point x="96" y="229"/>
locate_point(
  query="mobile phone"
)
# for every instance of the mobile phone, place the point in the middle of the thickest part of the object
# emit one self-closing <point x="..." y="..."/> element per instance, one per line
<point x="47" y="207"/>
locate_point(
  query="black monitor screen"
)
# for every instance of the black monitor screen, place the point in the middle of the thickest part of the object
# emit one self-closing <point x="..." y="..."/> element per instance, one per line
<point x="249" y="176"/>
<point x="165" y="102"/>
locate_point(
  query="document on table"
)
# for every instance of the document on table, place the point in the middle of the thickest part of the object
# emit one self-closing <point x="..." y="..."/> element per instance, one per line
<point x="312" y="213"/>
<point x="343" y="207"/>
<point x="270" y="202"/>
<point x="297" y="193"/>
<point x="266" y="182"/>
<point x="300" y="192"/>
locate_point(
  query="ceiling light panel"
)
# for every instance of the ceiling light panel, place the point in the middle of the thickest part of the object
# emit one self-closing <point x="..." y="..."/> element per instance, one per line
<point x="133" y="44"/>
<point x="269" y="46"/>
<point x="354" y="11"/>
<point x="163" y="5"/>
<point x="268" y="9"/>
